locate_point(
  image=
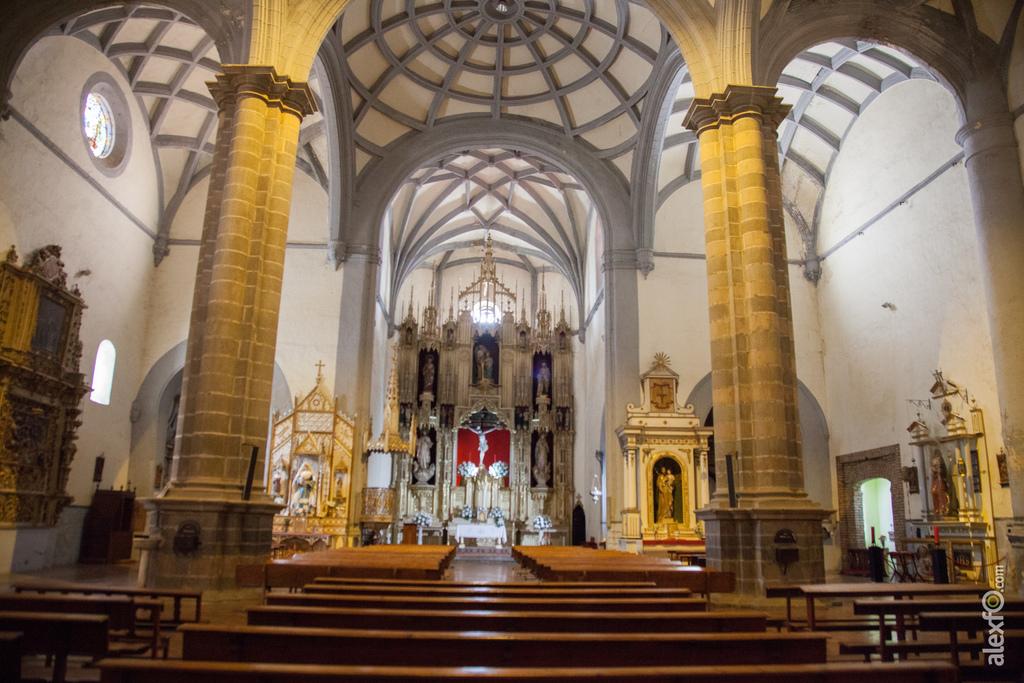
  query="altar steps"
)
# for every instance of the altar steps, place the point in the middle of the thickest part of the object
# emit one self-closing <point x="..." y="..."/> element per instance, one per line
<point x="484" y="553"/>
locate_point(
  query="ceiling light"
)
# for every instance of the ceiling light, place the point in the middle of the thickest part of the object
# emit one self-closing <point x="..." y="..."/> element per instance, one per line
<point x="502" y="7"/>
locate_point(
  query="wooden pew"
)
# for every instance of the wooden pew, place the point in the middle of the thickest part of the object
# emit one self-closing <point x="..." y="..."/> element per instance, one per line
<point x="386" y="562"/>
<point x="1012" y="624"/>
<point x="507" y="590"/>
<point x="532" y="585"/>
<point x="119" y="610"/>
<point x="58" y="635"/>
<point x="208" y="642"/>
<point x="904" y="614"/>
<point x="502" y="603"/>
<point x="177" y="595"/>
<point x="568" y="563"/>
<point x="737" y="621"/>
<point x="148" y="671"/>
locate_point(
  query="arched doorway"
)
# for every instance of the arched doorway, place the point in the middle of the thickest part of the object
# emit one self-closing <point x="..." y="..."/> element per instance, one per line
<point x="876" y="512"/>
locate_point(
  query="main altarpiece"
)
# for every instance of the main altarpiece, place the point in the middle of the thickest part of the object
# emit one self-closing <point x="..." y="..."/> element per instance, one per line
<point x="489" y="399"/>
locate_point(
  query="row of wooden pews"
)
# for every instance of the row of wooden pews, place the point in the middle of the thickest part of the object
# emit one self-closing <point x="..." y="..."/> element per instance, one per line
<point x="352" y="629"/>
<point x="574" y="563"/>
<point x="400" y="562"/>
<point x="61" y="620"/>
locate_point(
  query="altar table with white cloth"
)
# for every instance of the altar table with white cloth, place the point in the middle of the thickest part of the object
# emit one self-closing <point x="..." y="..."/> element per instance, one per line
<point x="464" y="531"/>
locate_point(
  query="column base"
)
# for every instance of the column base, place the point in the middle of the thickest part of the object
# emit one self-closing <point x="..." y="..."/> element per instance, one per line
<point x="631" y="541"/>
<point x="229" y="533"/>
<point x="743" y="541"/>
<point x="1010" y="543"/>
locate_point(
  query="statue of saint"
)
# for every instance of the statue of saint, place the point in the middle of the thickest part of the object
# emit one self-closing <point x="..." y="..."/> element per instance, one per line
<point x="543" y="380"/>
<point x="422" y="465"/>
<point x="666" y="484"/>
<point x="488" y="367"/>
<point x="302" y="493"/>
<point x="542" y="468"/>
<point x="428" y="374"/>
<point x="940" y="485"/>
<point x="478" y="357"/>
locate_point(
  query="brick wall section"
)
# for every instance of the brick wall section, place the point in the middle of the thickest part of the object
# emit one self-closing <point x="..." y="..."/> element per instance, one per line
<point x="851" y="470"/>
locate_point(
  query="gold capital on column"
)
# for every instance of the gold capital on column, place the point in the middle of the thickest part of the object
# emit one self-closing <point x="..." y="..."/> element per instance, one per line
<point x="737" y="102"/>
<point x="244" y="80"/>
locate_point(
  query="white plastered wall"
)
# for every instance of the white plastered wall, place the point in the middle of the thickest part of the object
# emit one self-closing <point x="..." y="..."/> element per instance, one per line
<point x="44" y="199"/>
<point x="922" y="258"/>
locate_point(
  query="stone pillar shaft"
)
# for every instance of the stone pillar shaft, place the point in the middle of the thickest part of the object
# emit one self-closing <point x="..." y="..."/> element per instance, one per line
<point x="230" y="360"/>
<point x="622" y="372"/>
<point x="354" y="373"/>
<point x="229" y="365"/>
<point x="993" y="170"/>
<point x="753" y="366"/>
<point x="752" y="359"/>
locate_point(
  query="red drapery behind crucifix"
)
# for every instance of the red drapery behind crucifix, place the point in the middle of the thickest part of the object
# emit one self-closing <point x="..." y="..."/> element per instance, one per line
<point x="498" y="445"/>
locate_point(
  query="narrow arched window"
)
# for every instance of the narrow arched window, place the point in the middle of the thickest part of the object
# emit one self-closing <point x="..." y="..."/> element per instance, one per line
<point x="103" y="373"/>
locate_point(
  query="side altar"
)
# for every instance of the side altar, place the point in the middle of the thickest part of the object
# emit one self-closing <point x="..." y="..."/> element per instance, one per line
<point x="310" y="472"/>
<point x="668" y="469"/>
<point x="487" y="396"/>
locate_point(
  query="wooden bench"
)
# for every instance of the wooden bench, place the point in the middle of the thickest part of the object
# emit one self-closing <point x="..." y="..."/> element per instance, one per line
<point x="120" y="611"/>
<point x="530" y="585"/>
<point x="904" y="614"/>
<point x="390" y="562"/>
<point x="58" y="635"/>
<point x="787" y="592"/>
<point x="474" y="648"/>
<point x="737" y="621"/>
<point x="585" y="564"/>
<point x="524" y="591"/>
<point x="175" y="594"/>
<point x="556" y="604"/>
<point x="149" y="671"/>
<point x="1012" y="624"/>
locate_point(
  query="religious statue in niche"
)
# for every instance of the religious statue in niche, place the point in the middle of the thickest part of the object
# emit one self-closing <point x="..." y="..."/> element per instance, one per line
<point x="447" y="416"/>
<point x="668" y="492"/>
<point x="485" y="360"/>
<point x="542" y="378"/>
<point x="541" y="460"/>
<point x="522" y="417"/>
<point x="302" y="490"/>
<point x="563" y="342"/>
<point x="523" y="341"/>
<point x="449" y="336"/>
<point x="666" y="483"/>
<point x="1004" y="471"/>
<point x="944" y="501"/>
<point x="428" y="373"/>
<point x="277" y="482"/>
<point x="482" y="447"/>
<point x="423" y="464"/>
<point x="408" y="336"/>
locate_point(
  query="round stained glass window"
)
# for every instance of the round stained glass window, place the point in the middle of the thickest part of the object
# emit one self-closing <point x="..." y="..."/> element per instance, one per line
<point x="98" y="123"/>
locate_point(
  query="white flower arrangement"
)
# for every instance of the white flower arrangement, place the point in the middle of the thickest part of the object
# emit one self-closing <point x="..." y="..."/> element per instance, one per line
<point x="421" y="519"/>
<point x="467" y="469"/>
<point x="466" y="512"/>
<point x="542" y="523"/>
<point x="497" y="515"/>
<point x="498" y="469"/>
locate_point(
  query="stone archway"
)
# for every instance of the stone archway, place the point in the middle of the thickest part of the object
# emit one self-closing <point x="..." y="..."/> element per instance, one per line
<point x="852" y="470"/>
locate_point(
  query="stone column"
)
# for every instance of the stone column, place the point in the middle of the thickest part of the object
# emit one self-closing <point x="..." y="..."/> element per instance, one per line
<point x="752" y="360"/>
<point x="992" y="160"/>
<point x="354" y="374"/>
<point x="622" y="384"/>
<point x="229" y="363"/>
<point x="632" y="540"/>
